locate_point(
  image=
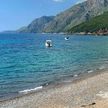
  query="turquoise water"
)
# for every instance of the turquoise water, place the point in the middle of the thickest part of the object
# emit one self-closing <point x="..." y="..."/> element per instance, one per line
<point x="25" y="62"/>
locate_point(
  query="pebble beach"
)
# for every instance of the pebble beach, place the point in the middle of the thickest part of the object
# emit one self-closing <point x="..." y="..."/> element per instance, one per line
<point x="88" y="91"/>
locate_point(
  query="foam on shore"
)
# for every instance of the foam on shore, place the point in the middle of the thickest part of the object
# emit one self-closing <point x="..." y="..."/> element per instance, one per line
<point x="90" y="71"/>
<point x="101" y="67"/>
<point x="75" y="75"/>
<point x="30" y="90"/>
<point x="66" y="95"/>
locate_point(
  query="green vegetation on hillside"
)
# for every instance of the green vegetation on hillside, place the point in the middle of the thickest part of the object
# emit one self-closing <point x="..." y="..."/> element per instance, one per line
<point x="67" y="19"/>
<point x="97" y="24"/>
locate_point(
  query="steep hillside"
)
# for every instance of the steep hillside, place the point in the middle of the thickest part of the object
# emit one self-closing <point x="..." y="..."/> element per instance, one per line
<point x="69" y="18"/>
<point x="76" y="15"/>
<point x="37" y="25"/>
<point x="97" y="25"/>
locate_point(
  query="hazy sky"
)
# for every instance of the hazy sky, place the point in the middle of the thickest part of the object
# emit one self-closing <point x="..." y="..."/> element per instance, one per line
<point x="17" y="13"/>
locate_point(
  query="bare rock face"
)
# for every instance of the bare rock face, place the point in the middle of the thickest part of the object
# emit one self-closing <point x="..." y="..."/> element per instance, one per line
<point x="97" y="5"/>
<point x="76" y="15"/>
<point x="70" y="17"/>
<point x="105" y="3"/>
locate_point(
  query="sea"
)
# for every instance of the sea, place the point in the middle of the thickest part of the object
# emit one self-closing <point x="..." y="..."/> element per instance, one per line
<point x="27" y="65"/>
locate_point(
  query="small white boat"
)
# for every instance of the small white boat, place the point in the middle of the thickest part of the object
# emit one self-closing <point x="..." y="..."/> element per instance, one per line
<point x="66" y="38"/>
<point x="48" y="43"/>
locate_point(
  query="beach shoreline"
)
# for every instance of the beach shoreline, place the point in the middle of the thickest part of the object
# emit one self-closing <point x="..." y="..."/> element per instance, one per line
<point x="73" y="93"/>
<point x="71" y="79"/>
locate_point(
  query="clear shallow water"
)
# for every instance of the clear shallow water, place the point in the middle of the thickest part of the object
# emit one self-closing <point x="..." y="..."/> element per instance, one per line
<point x="25" y="63"/>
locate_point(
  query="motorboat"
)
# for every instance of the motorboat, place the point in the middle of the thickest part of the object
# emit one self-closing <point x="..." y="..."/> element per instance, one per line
<point x="48" y="43"/>
<point x="66" y="38"/>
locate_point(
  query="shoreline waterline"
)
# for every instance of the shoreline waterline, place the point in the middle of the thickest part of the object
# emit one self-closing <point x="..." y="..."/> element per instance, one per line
<point x="28" y="69"/>
<point x="26" y="64"/>
<point x="66" y="81"/>
<point x="87" y="87"/>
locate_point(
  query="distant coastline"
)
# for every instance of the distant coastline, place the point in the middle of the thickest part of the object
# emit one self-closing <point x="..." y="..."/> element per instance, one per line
<point x="63" y="33"/>
<point x="92" y="34"/>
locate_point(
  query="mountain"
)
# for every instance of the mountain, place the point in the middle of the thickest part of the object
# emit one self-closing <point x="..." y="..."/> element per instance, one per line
<point x="69" y="18"/>
<point x="76" y="15"/>
<point x="98" y="25"/>
<point x="37" y="25"/>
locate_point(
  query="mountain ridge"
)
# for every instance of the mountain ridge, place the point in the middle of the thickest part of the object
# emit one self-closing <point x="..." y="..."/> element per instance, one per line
<point x="97" y="25"/>
<point x="69" y="18"/>
<point x="37" y="25"/>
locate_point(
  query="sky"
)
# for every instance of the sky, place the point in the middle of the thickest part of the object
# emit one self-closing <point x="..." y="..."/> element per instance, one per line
<point x="18" y="13"/>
